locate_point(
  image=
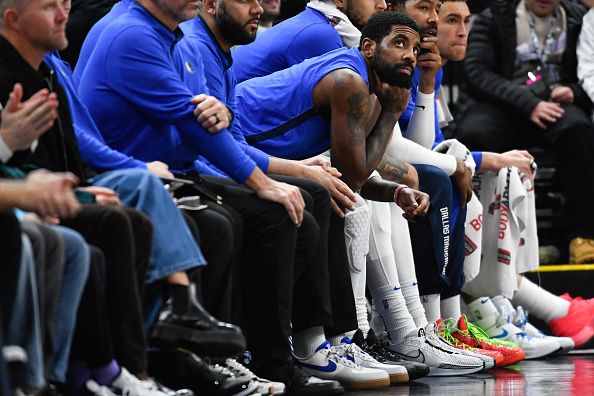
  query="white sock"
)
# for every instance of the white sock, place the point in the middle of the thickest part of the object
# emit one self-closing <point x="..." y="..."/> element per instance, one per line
<point x="405" y="264"/>
<point x="392" y="309"/>
<point x="410" y="291"/>
<point x="305" y="342"/>
<point x="539" y="302"/>
<point x="484" y="312"/>
<point x="382" y="276"/>
<point x="432" y="308"/>
<point x="336" y="340"/>
<point x="450" y="307"/>
<point x="356" y="233"/>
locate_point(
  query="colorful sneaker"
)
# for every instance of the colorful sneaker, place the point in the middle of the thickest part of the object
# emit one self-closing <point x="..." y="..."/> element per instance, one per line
<point x="326" y="363"/>
<point x="497" y="323"/>
<point x="474" y="336"/>
<point x="429" y="350"/>
<point x="448" y="326"/>
<point x="441" y="332"/>
<point x="378" y="349"/>
<point x="521" y="321"/>
<point x="578" y="323"/>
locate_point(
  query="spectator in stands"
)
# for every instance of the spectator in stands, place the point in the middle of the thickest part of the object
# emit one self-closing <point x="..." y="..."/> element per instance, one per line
<point x="272" y="10"/>
<point x="93" y="221"/>
<point x="523" y="89"/>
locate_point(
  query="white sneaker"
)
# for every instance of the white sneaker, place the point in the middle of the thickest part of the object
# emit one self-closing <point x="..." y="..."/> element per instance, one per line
<point x="502" y="328"/>
<point x="127" y="384"/>
<point x="326" y="363"/>
<point x="265" y="387"/>
<point x="353" y="352"/>
<point x="521" y="321"/>
<point x="95" y="389"/>
<point x="430" y="351"/>
<point x="152" y="384"/>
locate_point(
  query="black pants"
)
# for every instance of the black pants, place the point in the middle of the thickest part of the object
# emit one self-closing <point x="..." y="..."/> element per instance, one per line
<point x="571" y="138"/>
<point x="438" y="248"/>
<point x="11" y="247"/>
<point x="124" y="236"/>
<point x="214" y="233"/>
<point x="92" y="340"/>
<point x="311" y="291"/>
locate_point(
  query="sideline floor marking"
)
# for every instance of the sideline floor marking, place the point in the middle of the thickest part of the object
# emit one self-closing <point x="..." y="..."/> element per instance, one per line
<point x="565" y="267"/>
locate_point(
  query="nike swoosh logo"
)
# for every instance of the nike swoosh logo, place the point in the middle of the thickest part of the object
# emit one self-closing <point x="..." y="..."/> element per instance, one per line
<point x="484" y="301"/>
<point x="397" y="288"/>
<point x="414" y="283"/>
<point x="329" y="368"/>
<point x="504" y="334"/>
<point x="419" y="355"/>
<point x="420" y="107"/>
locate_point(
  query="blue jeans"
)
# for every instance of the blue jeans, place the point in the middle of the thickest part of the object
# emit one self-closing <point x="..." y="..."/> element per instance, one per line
<point x="24" y="328"/>
<point x="76" y="270"/>
<point x="174" y="249"/>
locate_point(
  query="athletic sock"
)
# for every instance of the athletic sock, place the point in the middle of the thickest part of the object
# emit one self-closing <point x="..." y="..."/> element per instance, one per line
<point x="410" y="291"/>
<point x="382" y="276"/>
<point x="539" y="302"/>
<point x="337" y="339"/>
<point x="432" y="308"/>
<point x="391" y="307"/>
<point x="106" y="374"/>
<point x="450" y="307"/>
<point x="356" y="232"/>
<point x="484" y="312"/>
<point x="305" y="342"/>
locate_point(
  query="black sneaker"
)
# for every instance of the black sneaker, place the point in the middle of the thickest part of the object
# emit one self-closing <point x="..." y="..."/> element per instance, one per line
<point x="184" y="369"/>
<point x="184" y="323"/>
<point x="378" y="349"/>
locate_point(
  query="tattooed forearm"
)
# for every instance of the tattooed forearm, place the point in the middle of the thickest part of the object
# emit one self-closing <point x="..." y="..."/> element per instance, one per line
<point x="392" y="169"/>
<point x="357" y="117"/>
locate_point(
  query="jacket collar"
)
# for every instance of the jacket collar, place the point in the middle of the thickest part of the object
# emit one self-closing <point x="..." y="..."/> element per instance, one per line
<point x="203" y="29"/>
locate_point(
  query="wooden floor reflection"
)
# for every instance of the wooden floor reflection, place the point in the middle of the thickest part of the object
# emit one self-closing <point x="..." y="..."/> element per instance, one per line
<point x="558" y="376"/>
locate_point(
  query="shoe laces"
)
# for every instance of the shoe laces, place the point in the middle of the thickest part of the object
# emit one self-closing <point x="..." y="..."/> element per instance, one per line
<point x="238" y="369"/>
<point x="444" y="330"/>
<point x="220" y="369"/>
<point x="521" y="318"/>
<point x="355" y="350"/>
<point x="335" y="353"/>
<point x="480" y="334"/>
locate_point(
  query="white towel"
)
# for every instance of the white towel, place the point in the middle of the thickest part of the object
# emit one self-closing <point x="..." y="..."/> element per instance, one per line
<point x="351" y="36"/>
<point x="510" y="242"/>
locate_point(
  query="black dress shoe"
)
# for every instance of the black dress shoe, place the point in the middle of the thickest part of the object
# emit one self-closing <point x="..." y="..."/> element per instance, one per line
<point x="184" y="323"/>
<point x="297" y="382"/>
<point x="184" y="369"/>
<point x="378" y="349"/>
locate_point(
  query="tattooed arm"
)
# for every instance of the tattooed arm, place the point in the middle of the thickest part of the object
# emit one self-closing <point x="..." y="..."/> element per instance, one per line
<point x="397" y="171"/>
<point x="353" y="154"/>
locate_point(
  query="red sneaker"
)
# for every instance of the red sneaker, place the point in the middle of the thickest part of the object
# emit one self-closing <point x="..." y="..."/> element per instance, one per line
<point x="578" y="323"/>
<point x="474" y="336"/>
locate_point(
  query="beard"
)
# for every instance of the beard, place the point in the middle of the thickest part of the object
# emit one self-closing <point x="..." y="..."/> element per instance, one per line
<point x="355" y="18"/>
<point x="390" y="73"/>
<point x="234" y="32"/>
